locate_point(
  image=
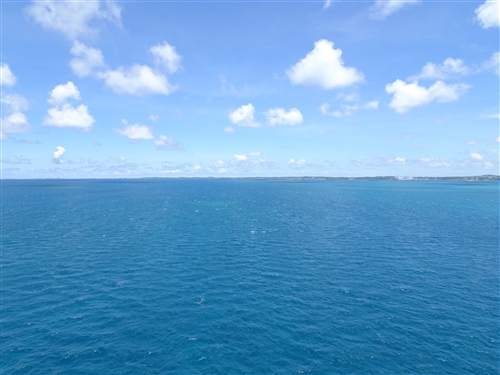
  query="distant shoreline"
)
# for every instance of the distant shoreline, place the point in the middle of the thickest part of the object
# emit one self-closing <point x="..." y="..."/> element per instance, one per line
<point x="290" y="178"/>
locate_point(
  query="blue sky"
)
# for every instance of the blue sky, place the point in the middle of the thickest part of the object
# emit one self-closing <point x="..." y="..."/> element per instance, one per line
<point x="108" y="89"/>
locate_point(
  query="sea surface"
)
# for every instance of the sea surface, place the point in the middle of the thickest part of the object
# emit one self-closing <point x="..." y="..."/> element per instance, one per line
<point x="216" y="276"/>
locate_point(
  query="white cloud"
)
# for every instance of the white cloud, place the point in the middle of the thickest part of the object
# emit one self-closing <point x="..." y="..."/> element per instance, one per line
<point x="471" y="143"/>
<point x="165" y="143"/>
<point x="352" y="97"/>
<point x="16" y="160"/>
<point x="135" y="132"/>
<point x="371" y="105"/>
<point x="396" y="160"/>
<point x="475" y="156"/>
<point x="15" y="103"/>
<point x="430" y="162"/>
<point x="171" y="171"/>
<point x="408" y="95"/>
<point x="255" y="153"/>
<point x="327" y="4"/>
<point x="229" y="130"/>
<point x="278" y="116"/>
<point x="7" y="78"/>
<point x="73" y="18"/>
<point x="493" y="63"/>
<point x="166" y="56"/>
<point x="241" y="157"/>
<point x="324" y="108"/>
<point x="138" y="80"/>
<point x="154" y="118"/>
<point x="488" y="14"/>
<point x="66" y="116"/>
<point x="497" y="140"/>
<point x="347" y="110"/>
<point x="61" y="93"/>
<point x="383" y="8"/>
<point x="86" y="59"/>
<point x="323" y="67"/>
<point x="15" y="121"/>
<point x="58" y="153"/>
<point x="298" y="162"/>
<point x="244" y="116"/>
<point x="219" y="163"/>
<point x="63" y="115"/>
<point x="449" y="67"/>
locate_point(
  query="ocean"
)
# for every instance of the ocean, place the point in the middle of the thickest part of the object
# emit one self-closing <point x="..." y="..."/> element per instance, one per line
<point x="213" y="276"/>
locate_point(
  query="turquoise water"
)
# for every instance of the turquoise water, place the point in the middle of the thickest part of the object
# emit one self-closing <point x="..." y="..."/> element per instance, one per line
<point x="247" y="276"/>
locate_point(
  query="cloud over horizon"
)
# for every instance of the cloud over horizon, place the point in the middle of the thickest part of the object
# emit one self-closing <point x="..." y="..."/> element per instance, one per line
<point x="323" y="67"/>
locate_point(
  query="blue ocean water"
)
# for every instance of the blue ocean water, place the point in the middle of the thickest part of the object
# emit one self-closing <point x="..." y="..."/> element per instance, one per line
<point x="250" y="276"/>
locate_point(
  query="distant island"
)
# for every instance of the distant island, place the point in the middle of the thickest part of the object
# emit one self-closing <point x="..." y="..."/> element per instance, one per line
<point x="487" y="177"/>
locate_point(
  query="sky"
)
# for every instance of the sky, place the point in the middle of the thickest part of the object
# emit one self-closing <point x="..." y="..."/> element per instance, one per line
<point x="108" y="89"/>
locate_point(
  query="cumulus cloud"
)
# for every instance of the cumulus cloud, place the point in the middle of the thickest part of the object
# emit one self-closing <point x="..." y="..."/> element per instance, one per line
<point x="396" y="160"/>
<point x="279" y="116"/>
<point x="14" y="123"/>
<point x="383" y="8"/>
<point x="154" y="118"/>
<point x="73" y="19"/>
<point x="15" y="120"/>
<point x="58" y="153"/>
<point x="135" y="132"/>
<point x="86" y="60"/>
<point x="493" y="63"/>
<point x="255" y="153"/>
<point x="229" y="130"/>
<point x="449" y="67"/>
<point x="296" y="162"/>
<point x="323" y="67"/>
<point x="244" y="116"/>
<point x="61" y="93"/>
<point x="409" y="95"/>
<point x="476" y="157"/>
<point x="63" y="114"/>
<point x="137" y="80"/>
<point x="165" y="143"/>
<point x="67" y="116"/>
<point x="488" y="14"/>
<point x="15" y="103"/>
<point x="166" y="56"/>
<point x="7" y="78"/>
<point x="241" y="157"/>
